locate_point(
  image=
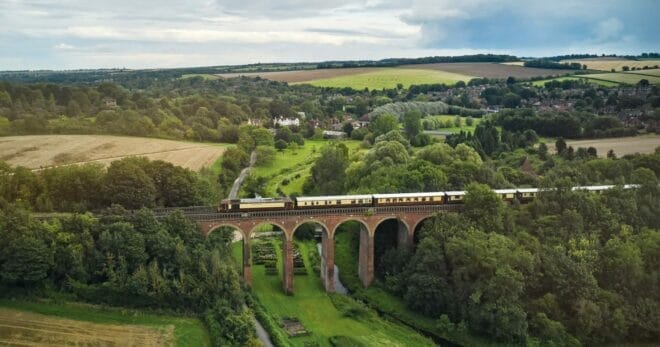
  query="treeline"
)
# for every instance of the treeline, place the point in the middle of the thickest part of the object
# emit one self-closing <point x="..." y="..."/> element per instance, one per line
<point x="130" y="260"/>
<point x="574" y="124"/>
<point x="472" y="58"/>
<point x="131" y="182"/>
<point x="549" y="64"/>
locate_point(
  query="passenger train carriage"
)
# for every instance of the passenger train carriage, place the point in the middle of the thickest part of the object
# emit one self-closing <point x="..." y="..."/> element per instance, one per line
<point x="376" y="200"/>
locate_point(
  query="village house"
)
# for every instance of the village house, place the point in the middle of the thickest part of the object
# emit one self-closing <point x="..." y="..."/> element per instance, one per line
<point x="286" y="122"/>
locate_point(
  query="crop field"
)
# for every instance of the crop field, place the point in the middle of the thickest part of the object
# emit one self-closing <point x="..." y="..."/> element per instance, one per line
<point x="606" y="64"/>
<point x="649" y="72"/>
<point x="36" y="151"/>
<point x="390" y="77"/>
<point x="491" y="70"/>
<point x="377" y="78"/>
<point x="59" y="324"/>
<point x="620" y="145"/>
<point x="620" y="77"/>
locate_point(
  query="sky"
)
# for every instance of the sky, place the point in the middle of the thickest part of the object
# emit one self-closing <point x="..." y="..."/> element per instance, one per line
<point x="83" y="34"/>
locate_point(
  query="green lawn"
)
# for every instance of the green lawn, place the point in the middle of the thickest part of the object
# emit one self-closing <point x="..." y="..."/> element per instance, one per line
<point x="289" y="163"/>
<point x="187" y="331"/>
<point x="316" y="310"/>
<point x="389" y="78"/>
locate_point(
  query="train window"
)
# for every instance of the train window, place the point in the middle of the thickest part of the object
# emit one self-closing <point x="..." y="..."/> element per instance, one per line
<point x="338" y="202"/>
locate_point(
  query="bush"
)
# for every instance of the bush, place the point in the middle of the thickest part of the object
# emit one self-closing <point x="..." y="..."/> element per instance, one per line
<point x="345" y="341"/>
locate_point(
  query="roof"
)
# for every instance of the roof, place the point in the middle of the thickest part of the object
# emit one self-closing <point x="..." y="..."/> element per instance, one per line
<point x="528" y="190"/>
<point x="455" y="192"/>
<point x="592" y="187"/>
<point x="255" y="200"/>
<point x="505" y="191"/>
<point x="408" y="195"/>
<point x="333" y="197"/>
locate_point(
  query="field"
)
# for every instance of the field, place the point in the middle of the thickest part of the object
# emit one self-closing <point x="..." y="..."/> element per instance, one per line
<point x="317" y="312"/>
<point x="36" y="151"/>
<point x="622" y="77"/>
<point x="620" y="145"/>
<point x="491" y="70"/>
<point x="45" y="323"/>
<point x="390" y="77"/>
<point x="607" y="64"/>
<point x="452" y="129"/>
<point x="377" y="78"/>
<point x="204" y="76"/>
<point x="294" y="166"/>
<point x="649" y="72"/>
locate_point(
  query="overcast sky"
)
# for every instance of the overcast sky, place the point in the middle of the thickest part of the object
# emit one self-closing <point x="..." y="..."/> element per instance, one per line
<point x="71" y="34"/>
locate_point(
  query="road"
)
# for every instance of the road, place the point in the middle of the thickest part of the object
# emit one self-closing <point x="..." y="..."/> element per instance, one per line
<point x="233" y="194"/>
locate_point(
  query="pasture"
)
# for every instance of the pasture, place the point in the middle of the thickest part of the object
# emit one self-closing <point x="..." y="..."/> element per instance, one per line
<point x="37" y="151"/>
<point x="390" y="78"/>
<point x="455" y="129"/>
<point x="607" y="64"/>
<point x="46" y="323"/>
<point x="294" y="166"/>
<point x="620" y="145"/>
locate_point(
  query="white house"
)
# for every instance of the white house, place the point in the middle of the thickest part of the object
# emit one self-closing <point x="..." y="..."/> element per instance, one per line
<point x="281" y="121"/>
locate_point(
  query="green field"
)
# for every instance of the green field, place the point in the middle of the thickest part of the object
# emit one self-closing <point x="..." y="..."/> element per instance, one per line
<point x="649" y="72"/>
<point x="187" y="331"/>
<point x="603" y="83"/>
<point x="389" y="78"/>
<point x="324" y="315"/>
<point x="455" y="129"/>
<point x="294" y="166"/>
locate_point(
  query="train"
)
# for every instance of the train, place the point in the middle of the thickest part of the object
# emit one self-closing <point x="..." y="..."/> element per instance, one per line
<point x="376" y="200"/>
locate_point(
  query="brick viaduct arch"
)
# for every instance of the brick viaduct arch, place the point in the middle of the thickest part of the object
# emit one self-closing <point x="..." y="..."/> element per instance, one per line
<point x="408" y="221"/>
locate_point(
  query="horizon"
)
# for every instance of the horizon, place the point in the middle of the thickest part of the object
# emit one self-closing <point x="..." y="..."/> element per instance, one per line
<point x="75" y="35"/>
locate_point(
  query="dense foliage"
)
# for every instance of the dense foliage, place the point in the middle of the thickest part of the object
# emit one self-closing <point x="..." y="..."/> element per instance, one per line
<point x="130" y="260"/>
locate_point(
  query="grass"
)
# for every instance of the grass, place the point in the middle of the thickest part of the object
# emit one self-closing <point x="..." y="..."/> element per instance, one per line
<point x="187" y="331"/>
<point x="389" y="78"/>
<point x="323" y="315"/>
<point x="455" y="129"/>
<point x="288" y="164"/>
<point x="617" y="64"/>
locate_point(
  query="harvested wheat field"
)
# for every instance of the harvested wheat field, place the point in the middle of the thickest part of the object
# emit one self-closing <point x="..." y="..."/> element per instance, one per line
<point x="620" y="145"/>
<point x="303" y="75"/>
<point x="38" y="151"/>
<point x="20" y="328"/>
<point x="617" y="64"/>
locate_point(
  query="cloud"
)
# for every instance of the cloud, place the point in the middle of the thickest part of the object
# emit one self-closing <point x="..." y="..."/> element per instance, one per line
<point x="166" y="33"/>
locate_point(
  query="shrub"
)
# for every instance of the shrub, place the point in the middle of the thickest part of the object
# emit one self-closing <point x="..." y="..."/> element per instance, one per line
<point x="344" y="341"/>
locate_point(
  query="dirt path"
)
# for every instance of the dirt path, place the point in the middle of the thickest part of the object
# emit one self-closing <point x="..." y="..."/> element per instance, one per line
<point x="241" y="177"/>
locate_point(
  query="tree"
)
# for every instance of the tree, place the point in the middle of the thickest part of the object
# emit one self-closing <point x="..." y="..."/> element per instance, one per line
<point x="560" y="146"/>
<point x="383" y="124"/>
<point x="284" y="134"/>
<point x="348" y="128"/>
<point x="328" y="174"/>
<point x="469" y="121"/>
<point x="511" y="100"/>
<point x="543" y="151"/>
<point x="26" y="259"/>
<point x="126" y="184"/>
<point x="412" y="124"/>
<point x="281" y="145"/>
<point x="484" y="207"/>
<point x="265" y="155"/>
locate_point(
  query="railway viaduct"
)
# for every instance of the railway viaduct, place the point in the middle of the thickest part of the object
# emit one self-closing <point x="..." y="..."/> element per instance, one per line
<point x="409" y="219"/>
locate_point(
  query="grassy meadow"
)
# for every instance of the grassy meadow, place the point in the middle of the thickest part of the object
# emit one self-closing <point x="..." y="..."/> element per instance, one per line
<point x="294" y="165"/>
<point x="389" y="78"/>
<point x="453" y="128"/>
<point x="324" y="315"/>
<point x="46" y="320"/>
